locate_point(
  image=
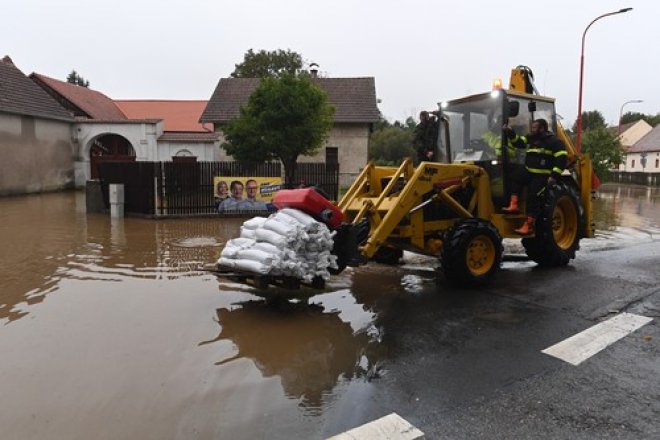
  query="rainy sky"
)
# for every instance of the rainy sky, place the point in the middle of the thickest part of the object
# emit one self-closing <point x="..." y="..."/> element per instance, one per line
<point x="420" y="52"/>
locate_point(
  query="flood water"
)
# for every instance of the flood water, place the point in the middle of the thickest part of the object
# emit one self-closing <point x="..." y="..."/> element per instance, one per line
<point x="113" y="329"/>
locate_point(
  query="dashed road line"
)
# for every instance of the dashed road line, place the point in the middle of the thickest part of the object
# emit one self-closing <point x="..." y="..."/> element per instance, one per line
<point x="390" y="427"/>
<point x="583" y="345"/>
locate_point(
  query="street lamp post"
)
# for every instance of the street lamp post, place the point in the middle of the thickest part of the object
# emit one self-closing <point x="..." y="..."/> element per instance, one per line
<point x="584" y="34"/>
<point x="632" y="101"/>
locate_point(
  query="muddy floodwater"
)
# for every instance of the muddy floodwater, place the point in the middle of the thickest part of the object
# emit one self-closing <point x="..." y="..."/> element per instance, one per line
<point x="113" y="329"/>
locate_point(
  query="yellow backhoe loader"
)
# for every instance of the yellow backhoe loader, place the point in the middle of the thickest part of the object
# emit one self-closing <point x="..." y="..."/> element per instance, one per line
<point x="452" y="209"/>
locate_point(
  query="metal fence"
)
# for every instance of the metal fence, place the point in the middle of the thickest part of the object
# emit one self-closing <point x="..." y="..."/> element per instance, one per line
<point x="186" y="188"/>
<point x="638" y="178"/>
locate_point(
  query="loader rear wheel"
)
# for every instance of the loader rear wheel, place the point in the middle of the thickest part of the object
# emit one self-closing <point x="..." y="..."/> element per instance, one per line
<point x="558" y="228"/>
<point x="472" y="252"/>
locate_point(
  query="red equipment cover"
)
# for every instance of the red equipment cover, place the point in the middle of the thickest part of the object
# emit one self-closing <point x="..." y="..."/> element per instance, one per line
<point x="309" y="201"/>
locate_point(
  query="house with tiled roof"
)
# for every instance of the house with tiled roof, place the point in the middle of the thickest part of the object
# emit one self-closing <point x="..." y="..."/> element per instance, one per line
<point x="628" y="135"/>
<point x="129" y="130"/>
<point x="35" y="136"/>
<point x="644" y="155"/>
<point x="183" y="134"/>
<point x="356" y="111"/>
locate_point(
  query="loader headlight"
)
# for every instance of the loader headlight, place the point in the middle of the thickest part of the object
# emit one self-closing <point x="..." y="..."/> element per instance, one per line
<point x="494" y="93"/>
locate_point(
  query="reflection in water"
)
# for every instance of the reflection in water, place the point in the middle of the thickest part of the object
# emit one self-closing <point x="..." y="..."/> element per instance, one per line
<point x="628" y="206"/>
<point x="307" y="347"/>
<point x="48" y="238"/>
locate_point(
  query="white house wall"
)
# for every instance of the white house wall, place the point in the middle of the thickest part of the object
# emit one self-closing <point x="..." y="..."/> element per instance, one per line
<point x="35" y="155"/>
<point x="142" y="136"/>
<point x="634" y="162"/>
<point x="204" y="151"/>
<point x="351" y="141"/>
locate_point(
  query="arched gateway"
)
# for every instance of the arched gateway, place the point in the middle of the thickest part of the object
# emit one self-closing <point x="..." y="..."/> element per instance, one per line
<point x="109" y="148"/>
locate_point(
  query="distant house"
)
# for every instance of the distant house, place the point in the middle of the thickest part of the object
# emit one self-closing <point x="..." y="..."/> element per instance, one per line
<point x="183" y="135"/>
<point x="628" y="135"/>
<point x="644" y="155"/>
<point x="129" y="130"/>
<point x="354" y="100"/>
<point x="35" y="136"/>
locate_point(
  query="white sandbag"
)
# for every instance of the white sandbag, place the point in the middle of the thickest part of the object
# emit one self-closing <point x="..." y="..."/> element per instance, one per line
<point x="248" y="233"/>
<point x="302" y="217"/>
<point x="226" y="263"/>
<point x="251" y="266"/>
<point x="240" y="242"/>
<point x="236" y="244"/>
<point x="256" y="255"/>
<point x="280" y="227"/>
<point x="267" y="247"/>
<point x="271" y="237"/>
<point x="289" y="243"/>
<point x="254" y="222"/>
<point x="283" y="217"/>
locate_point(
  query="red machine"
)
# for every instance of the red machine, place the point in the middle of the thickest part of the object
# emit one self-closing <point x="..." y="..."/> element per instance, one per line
<point x="311" y="202"/>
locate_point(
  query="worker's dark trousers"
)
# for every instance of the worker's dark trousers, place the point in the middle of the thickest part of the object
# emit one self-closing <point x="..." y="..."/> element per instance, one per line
<point x="535" y="183"/>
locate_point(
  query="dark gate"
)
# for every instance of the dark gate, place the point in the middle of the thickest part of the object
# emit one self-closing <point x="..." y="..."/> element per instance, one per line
<point x="186" y="188"/>
<point x="139" y="180"/>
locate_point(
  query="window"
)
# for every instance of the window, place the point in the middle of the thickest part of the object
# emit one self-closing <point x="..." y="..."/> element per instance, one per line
<point x="657" y="163"/>
<point x="632" y="164"/>
<point x="331" y="155"/>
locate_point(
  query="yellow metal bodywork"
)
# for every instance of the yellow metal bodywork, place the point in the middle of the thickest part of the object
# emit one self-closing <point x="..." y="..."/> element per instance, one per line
<point x="391" y="200"/>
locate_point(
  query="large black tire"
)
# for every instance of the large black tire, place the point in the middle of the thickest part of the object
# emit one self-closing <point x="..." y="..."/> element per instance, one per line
<point x="558" y="228"/>
<point x="388" y="255"/>
<point x="472" y="252"/>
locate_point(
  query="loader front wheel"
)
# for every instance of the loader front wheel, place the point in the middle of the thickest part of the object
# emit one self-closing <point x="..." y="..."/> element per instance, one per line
<point x="472" y="252"/>
<point x="558" y="228"/>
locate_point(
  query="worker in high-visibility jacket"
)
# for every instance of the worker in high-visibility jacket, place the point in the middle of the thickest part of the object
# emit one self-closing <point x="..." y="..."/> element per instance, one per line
<point x="545" y="160"/>
<point x="494" y="140"/>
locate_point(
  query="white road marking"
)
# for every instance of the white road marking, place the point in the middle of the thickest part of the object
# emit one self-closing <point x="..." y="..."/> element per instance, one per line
<point x="582" y="346"/>
<point x="390" y="427"/>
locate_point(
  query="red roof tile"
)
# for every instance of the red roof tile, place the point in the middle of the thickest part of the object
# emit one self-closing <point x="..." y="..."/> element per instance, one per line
<point x="354" y="98"/>
<point x="177" y="115"/>
<point x="94" y="104"/>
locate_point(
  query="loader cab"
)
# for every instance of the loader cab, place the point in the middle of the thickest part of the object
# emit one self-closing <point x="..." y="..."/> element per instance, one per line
<point x="473" y="132"/>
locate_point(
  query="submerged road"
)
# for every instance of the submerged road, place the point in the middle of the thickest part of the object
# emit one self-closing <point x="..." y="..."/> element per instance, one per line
<point x="111" y="330"/>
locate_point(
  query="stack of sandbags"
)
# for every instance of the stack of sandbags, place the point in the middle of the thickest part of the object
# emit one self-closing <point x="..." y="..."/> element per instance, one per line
<point x="288" y="243"/>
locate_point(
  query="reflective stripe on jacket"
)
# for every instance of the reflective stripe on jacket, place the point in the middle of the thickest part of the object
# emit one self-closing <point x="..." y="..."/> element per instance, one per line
<point x="545" y="154"/>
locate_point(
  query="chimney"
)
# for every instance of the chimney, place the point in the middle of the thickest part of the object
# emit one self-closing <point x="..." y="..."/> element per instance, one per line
<point x="7" y="60"/>
<point x="314" y="70"/>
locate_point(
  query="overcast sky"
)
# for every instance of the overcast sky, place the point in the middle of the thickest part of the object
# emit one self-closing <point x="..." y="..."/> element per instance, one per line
<point x="420" y="53"/>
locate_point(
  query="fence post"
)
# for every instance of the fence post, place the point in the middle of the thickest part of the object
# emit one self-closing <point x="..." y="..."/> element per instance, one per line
<point x="116" y="196"/>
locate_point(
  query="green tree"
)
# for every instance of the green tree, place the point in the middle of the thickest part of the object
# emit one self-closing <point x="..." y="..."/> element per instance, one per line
<point x="635" y="116"/>
<point x="390" y="145"/>
<point x="590" y="120"/>
<point x="603" y="148"/>
<point x="284" y="118"/>
<point x="267" y="64"/>
<point x="76" y="79"/>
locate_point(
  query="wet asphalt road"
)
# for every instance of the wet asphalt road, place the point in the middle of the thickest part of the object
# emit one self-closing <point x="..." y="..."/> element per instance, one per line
<point x="468" y="365"/>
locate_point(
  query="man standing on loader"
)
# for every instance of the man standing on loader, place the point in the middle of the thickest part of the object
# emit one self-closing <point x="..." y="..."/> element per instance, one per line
<point x="426" y="135"/>
<point x="545" y="160"/>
